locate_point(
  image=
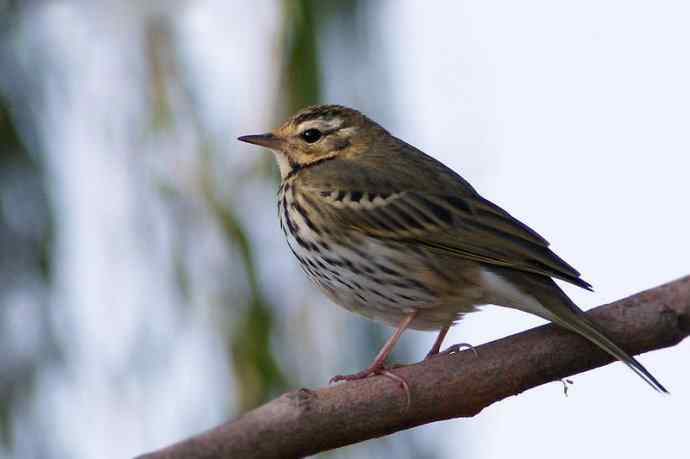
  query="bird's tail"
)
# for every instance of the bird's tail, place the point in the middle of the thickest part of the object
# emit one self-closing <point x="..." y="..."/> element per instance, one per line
<point x="554" y="305"/>
<point x="581" y="324"/>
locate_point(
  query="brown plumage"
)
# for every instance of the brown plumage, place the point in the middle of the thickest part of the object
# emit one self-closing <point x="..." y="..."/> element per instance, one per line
<point x="390" y="233"/>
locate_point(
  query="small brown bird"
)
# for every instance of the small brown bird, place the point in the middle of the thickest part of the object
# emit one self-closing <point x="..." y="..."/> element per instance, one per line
<point x="394" y="235"/>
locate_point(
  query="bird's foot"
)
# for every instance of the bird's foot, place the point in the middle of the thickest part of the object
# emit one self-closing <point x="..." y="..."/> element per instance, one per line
<point x="355" y="376"/>
<point x="452" y="350"/>
<point x="375" y="369"/>
<point x="382" y="370"/>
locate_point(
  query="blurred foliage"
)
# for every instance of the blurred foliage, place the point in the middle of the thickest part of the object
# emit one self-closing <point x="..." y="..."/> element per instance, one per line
<point x="257" y="375"/>
<point x="303" y="24"/>
<point x="302" y="70"/>
<point x="162" y="70"/>
<point x="26" y="234"/>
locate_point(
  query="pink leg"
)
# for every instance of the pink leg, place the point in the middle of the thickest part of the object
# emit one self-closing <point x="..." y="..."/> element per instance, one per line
<point x="436" y="348"/>
<point x="377" y="365"/>
<point x="439" y="341"/>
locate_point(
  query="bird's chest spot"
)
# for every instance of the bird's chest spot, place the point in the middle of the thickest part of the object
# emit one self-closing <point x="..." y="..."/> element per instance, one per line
<point x="297" y="222"/>
<point x="357" y="273"/>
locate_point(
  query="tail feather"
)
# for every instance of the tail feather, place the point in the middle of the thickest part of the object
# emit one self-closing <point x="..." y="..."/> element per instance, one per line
<point x="540" y="295"/>
<point x="579" y="323"/>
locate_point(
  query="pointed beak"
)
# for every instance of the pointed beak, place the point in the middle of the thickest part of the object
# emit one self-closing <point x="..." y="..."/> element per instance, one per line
<point x="267" y="140"/>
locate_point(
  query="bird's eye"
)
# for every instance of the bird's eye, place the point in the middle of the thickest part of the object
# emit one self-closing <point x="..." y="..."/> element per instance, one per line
<point x="311" y="135"/>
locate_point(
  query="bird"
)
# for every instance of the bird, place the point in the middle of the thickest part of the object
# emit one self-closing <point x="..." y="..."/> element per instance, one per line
<point x="388" y="232"/>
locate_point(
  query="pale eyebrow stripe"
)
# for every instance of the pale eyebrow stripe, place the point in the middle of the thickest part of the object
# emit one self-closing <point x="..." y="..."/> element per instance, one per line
<point x="324" y="125"/>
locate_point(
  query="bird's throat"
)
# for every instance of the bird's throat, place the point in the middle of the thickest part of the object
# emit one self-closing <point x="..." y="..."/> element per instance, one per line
<point x="295" y="167"/>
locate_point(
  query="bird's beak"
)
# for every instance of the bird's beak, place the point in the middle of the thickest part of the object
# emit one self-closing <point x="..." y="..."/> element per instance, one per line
<point x="267" y="140"/>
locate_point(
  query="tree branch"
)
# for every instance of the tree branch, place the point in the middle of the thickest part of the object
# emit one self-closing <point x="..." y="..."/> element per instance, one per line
<point x="304" y="422"/>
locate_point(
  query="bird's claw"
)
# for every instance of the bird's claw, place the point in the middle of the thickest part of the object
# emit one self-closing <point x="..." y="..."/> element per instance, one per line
<point x="453" y="349"/>
<point x="383" y="371"/>
<point x="354" y="376"/>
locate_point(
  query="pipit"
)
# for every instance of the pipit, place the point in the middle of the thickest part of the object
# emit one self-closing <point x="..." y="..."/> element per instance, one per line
<point x="390" y="233"/>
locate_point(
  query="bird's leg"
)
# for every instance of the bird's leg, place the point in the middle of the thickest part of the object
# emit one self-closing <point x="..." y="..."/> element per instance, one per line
<point x="436" y="348"/>
<point x="439" y="341"/>
<point x="377" y="365"/>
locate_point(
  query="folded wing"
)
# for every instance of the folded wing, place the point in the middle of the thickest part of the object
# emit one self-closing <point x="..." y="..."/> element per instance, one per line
<point x="466" y="226"/>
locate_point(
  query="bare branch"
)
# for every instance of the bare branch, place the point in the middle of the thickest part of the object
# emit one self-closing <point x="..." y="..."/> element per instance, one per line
<point x="304" y="422"/>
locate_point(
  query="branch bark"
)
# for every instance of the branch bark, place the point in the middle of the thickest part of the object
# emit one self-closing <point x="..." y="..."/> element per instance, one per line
<point x="304" y="422"/>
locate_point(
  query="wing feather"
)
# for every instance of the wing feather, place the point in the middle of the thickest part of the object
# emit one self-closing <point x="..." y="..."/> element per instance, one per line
<point x="468" y="226"/>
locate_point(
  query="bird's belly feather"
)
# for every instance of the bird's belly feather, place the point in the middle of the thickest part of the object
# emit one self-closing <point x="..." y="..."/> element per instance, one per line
<point x="379" y="280"/>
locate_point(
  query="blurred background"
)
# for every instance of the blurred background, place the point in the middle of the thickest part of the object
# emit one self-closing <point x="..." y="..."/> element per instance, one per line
<point x="146" y="292"/>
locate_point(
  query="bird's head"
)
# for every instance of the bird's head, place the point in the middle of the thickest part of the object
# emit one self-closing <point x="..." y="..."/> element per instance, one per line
<point x="317" y="133"/>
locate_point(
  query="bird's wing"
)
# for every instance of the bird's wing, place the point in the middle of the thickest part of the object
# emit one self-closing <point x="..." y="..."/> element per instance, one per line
<point x="467" y="226"/>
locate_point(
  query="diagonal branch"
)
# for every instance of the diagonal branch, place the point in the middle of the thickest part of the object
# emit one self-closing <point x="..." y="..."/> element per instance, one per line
<point x="304" y="422"/>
